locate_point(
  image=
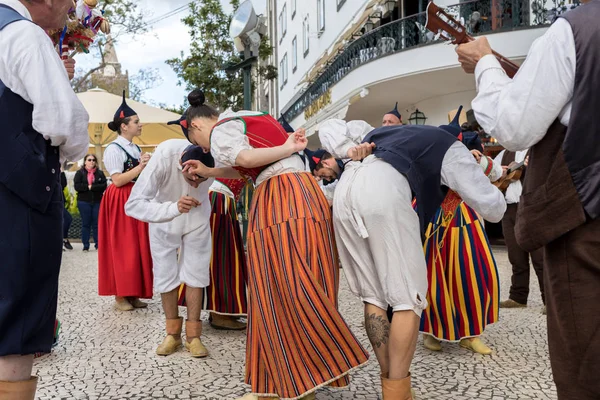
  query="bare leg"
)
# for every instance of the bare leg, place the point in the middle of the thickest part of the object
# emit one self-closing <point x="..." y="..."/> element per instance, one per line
<point x="169" y="303"/>
<point x="16" y="368"/>
<point x="402" y="344"/>
<point x="378" y="331"/>
<point x="193" y="299"/>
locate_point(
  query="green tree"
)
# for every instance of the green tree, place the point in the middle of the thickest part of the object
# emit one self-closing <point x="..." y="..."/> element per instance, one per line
<point x="211" y="51"/>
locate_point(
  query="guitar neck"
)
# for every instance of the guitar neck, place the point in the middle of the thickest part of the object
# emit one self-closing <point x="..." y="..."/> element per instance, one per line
<point x="508" y="66"/>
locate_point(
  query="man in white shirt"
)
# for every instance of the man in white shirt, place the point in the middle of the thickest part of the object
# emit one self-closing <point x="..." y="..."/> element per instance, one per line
<point x="43" y="123"/>
<point x="519" y="258"/>
<point x="178" y="209"/>
<point x="551" y="106"/>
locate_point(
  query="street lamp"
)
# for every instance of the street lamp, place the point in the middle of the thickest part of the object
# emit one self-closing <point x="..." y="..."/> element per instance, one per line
<point x="369" y="25"/>
<point x="246" y="30"/>
<point x="417" y="118"/>
<point x="390" y="5"/>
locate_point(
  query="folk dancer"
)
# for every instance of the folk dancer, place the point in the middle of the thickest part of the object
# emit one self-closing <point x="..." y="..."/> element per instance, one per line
<point x="43" y="124"/>
<point x="392" y="118"/>
<point x="297" y="340"/>
<point x="551" y="107"/>
<point x="225" y="296"/>
<point x="518" y="258"/>
<point x="124" y="258"/>
<point x="177" y="207"/>
<point x="380" y="234"/>
<point x="463" y="292"/>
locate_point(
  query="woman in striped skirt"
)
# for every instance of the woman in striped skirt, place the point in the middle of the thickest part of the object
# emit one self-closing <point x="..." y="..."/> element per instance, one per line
<point x="297" y="341"/>
<point x="225" y="297"/>
<point x="461" y="269"/>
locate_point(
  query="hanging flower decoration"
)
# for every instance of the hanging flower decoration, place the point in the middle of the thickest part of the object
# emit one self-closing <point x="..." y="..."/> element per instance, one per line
<point x="83" y="24"/>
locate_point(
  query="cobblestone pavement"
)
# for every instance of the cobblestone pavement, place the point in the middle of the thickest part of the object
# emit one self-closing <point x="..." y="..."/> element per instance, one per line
<point x="106" y="354"/>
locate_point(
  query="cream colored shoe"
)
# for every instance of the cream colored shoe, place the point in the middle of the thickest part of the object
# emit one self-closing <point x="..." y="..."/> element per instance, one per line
<point x="431" y="343"/>
<point x="123" y="305"/>
<point x="193" y="330"/>
<point x="476" y="345"/>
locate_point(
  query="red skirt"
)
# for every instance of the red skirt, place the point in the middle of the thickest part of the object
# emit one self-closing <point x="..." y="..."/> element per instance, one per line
<point x="124" y="258"/>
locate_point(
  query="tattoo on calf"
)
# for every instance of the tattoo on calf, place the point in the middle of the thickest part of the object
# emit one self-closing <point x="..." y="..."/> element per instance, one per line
<point x="378" y="329"/>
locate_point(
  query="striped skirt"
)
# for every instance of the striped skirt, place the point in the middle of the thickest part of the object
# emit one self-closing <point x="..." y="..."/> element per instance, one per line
<point x="297" y="340"/>
<point x="226" y="293"/>
<point x="461" y="270"/>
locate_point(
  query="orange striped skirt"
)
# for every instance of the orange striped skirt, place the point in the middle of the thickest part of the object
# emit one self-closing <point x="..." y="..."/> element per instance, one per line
<point x="297" y="339"/>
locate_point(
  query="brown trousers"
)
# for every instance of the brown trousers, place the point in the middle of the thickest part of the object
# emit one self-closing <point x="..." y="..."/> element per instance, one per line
<point x="519" y="259"/>
<point x="572" y="280"/>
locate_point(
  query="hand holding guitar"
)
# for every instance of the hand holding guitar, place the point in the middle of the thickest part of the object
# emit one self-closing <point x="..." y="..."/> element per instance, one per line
<point x="510" y="174"/>
<point x="470" y="53"/>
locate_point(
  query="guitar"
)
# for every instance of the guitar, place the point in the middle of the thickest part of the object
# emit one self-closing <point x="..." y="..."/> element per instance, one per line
<point x="513" y="174"/>
<point x="442" y="23"/>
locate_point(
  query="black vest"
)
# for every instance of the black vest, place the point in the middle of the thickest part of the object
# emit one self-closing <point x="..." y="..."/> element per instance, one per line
<point x="29" y="164"/>
<point x="417" y="153"/>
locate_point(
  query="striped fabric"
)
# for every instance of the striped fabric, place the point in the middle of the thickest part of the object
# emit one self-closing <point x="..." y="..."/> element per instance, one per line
<point x="463" y="278"/>
<point x="226" y="293"/>
<point x="297" y="340"/>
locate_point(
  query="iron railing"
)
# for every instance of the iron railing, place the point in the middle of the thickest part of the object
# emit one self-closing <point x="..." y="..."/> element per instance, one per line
<point x="410" y="32"/>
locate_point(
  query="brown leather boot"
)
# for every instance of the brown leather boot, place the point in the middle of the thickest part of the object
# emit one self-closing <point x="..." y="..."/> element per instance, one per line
<point x="226" y="322"/>
<point x="193" y="330"/>
<point x="396" y="389"/>
<point x="173" y="339"/>
<point x="20" y="390"/>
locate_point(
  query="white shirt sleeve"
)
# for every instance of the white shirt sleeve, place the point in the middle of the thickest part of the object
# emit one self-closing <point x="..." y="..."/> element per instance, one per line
<point x="227" y="141"/>
<point x="31" y="68"/>
<point x="114" y="159"/>
<point x="519" y="111"/>
<point x="338" y="136"/>
<point x="461" y="173"/>
<point x="141" y="204"/>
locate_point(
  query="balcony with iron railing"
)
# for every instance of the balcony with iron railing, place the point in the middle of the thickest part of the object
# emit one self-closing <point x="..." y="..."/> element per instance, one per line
<point x="479" y="16"/>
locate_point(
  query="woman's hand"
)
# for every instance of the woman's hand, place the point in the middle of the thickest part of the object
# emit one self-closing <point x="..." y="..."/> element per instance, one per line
<point x="195" y="167"/>
<point x="361" y="151"/>
<point x="477" y="154"/>
<point x="296" y="141"/>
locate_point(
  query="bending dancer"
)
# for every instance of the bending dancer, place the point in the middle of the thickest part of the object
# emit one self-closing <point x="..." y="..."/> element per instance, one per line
<point x="463" y="278"/>
<point x="124" y="259"/>
<point x="225" y="296"/>
<point x="551" y="106"/>
<point x="297" y="339"/>
<point x="379" y="232"/>
<point x="42" y="123"/>
<point x="177" y="207"/>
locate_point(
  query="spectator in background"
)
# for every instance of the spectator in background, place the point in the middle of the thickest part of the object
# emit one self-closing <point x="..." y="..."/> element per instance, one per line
<point x="90" y="184"/>
<point x="67" y="218"/>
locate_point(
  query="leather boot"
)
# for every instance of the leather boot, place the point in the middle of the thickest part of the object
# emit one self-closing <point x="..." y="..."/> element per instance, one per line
<point x="173" y="339"/>
<point x="396" y="389"/>
<point x="20" y="390"/>
<point x="193" y="330"/>
<point x="226" y="322"/>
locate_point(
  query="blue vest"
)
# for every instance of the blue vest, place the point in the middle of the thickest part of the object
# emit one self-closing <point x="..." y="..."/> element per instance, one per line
<point x="417" y="153"/>
<point x="29" y="165"/>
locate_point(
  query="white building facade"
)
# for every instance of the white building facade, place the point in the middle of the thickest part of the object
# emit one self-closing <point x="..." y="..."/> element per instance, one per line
<point x="354" y="59"/>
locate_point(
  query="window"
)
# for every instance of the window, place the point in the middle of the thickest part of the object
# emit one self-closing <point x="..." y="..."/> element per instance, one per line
<point x="283" y="22"/>
<point x="340" y="3"/>
<point x="283" y="75"/>
<point x="321" y="15"/>
<point x="305" y="38"/>
<point x="293" y="6"/>
<point x="294" y="54"/>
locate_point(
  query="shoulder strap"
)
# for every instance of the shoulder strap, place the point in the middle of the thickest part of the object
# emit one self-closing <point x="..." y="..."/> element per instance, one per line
<point x="8" y="16"/>
<point x="121" y="147"/>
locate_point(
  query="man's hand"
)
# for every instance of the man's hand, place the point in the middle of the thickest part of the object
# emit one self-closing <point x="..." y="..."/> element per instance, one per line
<point x="69" y="64"/>
<point x="504" y="172"/>
<point x="361" y="151"/>
<point x="470" y="53"/>
<point x="186" y="203"/>
<point x="526" y="161"/>
<point x="296" y="141"/>
<point x="477" y="154"/>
